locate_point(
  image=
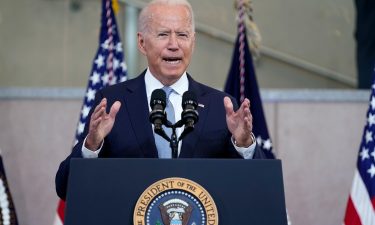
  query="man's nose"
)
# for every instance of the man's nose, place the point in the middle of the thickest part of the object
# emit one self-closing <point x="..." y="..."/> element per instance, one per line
<point x="173" y="42"/>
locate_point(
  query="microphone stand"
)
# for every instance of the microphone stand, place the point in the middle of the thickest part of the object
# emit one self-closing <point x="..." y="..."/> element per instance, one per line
<point x="173" y="140"/>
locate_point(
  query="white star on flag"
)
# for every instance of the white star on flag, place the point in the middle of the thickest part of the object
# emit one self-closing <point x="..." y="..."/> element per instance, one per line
<point x="80" y="128"/>
<point x="267" y="144"/>
<point x="105" y="45"/>
<point x="123" y="79"/>
<point x="99" y="61"/>
<point x="371" y="171"/>
<point x="116" y="64"/>
<point x="119" y="47"/>
<point x="105" y="79"/>
<point x="95" y="78"/>
<point x="372" y="103"/>
<point x="369" y="136"/>
<point x="123" y="66"/>
<point x="373" y="154"/>
<point x="85" y="111"/>
<point x="90" y="95"/>
<point x="364" y="154"/>
<point x="371" y="119"/>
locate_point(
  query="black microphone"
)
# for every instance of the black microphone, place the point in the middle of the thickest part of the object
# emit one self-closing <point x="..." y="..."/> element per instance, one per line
<point x="158" y="103"/>
<point x="189" y="115"/>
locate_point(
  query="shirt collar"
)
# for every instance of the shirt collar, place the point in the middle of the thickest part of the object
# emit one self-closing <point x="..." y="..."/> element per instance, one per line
<point x="179" y="87"/>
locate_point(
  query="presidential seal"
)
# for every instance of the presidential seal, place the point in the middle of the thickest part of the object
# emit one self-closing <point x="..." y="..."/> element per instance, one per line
<point x="175" y="201"/>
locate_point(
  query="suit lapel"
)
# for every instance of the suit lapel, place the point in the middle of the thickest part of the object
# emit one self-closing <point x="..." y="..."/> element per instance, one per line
<point x="189" y="142"/>
<point x="137" y="106"/>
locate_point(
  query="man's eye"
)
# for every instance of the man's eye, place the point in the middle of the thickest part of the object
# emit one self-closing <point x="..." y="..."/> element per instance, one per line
<point x="183" y="35"/>
<point x="162" y="34"/>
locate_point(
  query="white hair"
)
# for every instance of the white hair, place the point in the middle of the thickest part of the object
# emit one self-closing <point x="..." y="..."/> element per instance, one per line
<point x="145" y="15"/>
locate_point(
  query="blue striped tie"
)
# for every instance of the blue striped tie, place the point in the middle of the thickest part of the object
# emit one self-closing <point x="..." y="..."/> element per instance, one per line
<point x="163" y="146"/>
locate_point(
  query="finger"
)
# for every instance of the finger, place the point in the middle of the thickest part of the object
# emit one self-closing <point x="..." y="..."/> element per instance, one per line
<point x="103" y="103"/>
<point x="95" y="123"/>
<point x="248" y="125"/>
<point x="114" y="109"/>
<point x="250" y="118"/>
<point x="247" y="112"/>
<point x="245" y="104"/>
<point x="99" y="113"/>
<point x="244" y="109"/>
<point x="228" y="105"/>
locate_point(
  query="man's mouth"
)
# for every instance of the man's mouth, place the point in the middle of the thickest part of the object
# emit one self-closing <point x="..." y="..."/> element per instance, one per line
<point x="172" y="60"/>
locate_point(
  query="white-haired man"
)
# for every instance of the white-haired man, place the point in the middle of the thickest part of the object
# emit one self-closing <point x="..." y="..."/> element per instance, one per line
<point x="166" y="37"/>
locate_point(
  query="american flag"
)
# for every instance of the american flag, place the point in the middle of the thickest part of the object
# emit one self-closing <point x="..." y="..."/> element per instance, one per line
<point x="8" y="211"/>
<point x="242" y="83"/>
<point x="108" y="68"/>
<point x="361" y="203"/>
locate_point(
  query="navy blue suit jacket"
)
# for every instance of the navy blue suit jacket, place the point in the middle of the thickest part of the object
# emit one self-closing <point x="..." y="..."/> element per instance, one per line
<point x="132" y="135"/>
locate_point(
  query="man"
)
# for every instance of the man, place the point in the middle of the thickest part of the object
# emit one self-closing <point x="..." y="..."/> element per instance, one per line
<point x="166" y="37"/>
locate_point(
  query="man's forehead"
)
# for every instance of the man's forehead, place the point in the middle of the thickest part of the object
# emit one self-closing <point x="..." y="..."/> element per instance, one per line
<point x="169" y="12"/>
<point x="170" y="17"/>
<point x="170" y="23"/>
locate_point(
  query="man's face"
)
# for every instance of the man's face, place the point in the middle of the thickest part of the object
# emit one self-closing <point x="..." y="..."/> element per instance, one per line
<point x="168" y="42"/>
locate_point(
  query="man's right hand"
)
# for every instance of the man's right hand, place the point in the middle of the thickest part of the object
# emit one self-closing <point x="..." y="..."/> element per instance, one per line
<point x="101" y="124"/>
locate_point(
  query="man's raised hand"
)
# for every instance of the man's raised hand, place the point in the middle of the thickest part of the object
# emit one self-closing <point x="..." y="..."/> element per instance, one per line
<point x="101" y="124"/>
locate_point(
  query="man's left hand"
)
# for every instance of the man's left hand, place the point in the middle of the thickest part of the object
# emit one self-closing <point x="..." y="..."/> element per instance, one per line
<point x="240" y="123"/>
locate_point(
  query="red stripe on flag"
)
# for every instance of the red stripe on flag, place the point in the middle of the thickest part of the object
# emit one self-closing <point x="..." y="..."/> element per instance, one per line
<point x="351" y="215"/>
<point x="61" y="210"/>
<point x="373" y="202"/>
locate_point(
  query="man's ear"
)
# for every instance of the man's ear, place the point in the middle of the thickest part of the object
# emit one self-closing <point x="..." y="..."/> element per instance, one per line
<point x="141" y="43"/>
